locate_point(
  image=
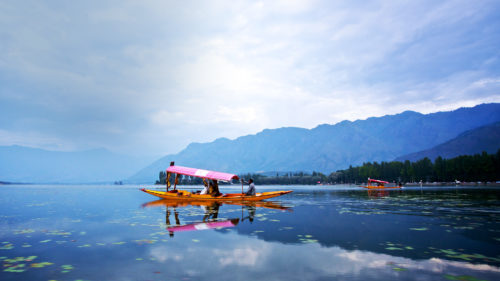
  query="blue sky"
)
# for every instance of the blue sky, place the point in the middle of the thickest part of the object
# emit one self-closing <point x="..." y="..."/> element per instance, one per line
<point x="150" y="77"/>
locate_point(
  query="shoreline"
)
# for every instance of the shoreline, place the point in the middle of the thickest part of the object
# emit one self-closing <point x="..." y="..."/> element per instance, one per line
<point x="453" y="184"/>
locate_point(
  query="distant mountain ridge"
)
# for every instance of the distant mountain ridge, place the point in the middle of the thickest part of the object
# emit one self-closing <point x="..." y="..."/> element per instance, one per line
<point x="34" y="165"/>
<point x="485" y="138"/>
<point x="328" y="148"/>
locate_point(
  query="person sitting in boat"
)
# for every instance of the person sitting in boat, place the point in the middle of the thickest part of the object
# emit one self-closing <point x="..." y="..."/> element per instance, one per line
<point x="213" y="188"/>
<point x="205" y="188"/>
<point x="251" y="188"/>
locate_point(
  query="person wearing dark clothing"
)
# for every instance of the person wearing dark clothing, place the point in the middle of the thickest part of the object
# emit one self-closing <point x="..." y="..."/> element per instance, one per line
<point x="213" y="189"/>
<point x="251" y="188"/>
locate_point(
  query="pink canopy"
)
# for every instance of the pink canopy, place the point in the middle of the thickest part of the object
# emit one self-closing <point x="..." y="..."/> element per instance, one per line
<point x="204" y="226"/>
<point x="379" y="181"/>
<point x="199" y="173"/>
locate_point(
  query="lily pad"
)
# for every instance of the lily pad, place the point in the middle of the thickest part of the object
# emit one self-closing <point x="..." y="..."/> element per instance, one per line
<point x="16" y="268"/>
<point x="24" y="231"/>
<point x="7" y="247"/>
<point x="41" y="264"/>
<point x="66" y="268"/>
<point x="394" y="249"/>
<point x="462" y="277"/>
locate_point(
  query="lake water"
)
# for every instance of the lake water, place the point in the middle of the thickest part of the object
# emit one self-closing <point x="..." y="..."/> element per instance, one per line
<point x="314" y="233"/>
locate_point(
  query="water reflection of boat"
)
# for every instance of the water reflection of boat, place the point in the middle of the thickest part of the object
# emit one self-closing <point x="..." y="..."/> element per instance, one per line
<point x="204" y="225"/>
<point x="379" y="184"/>
<point x="193" y="202"/>
<point x="377" y="193"/>
<point x="214" y="177"/>
<point x="211" y="213"/>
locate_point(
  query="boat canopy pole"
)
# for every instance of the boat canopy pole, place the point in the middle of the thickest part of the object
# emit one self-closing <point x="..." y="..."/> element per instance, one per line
<point x="167" y="181"/>
<point x="176" y="181"/>
<point x="168" y="176"/>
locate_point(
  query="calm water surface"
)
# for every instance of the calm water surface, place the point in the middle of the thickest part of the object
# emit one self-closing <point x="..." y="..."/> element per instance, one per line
<point x="314" y="233"/>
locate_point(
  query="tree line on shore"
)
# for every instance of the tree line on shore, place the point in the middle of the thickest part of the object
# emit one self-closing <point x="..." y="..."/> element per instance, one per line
<point x="482" y="167"/>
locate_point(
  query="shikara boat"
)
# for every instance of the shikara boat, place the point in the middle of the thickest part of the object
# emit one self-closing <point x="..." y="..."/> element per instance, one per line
<point x="177" y="194"/>
<point x="379" y="184"/>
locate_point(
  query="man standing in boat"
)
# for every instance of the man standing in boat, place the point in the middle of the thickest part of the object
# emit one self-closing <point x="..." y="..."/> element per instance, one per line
<point x="251" y="188"/>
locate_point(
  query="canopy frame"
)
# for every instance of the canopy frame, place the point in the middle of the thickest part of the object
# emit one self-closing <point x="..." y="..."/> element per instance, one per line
<point x="200" y="173"/>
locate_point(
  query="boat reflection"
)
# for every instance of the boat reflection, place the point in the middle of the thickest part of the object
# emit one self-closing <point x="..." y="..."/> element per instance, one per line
<point x="210" y="218"/>
<point x="376" y="193"/>
<point x="379" y="193"/>
<point x="185" y="203"/>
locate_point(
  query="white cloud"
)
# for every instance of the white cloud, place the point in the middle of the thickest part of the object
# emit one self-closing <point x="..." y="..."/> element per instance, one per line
<point x="162" y="254"/>
<point x="240" y="256"/>
<point x="154" y="77"/>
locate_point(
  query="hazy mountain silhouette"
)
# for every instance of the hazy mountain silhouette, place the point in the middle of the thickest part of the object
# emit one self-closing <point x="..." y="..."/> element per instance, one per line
<point x="486" y="138"/>
<point x="328" y="148"/>
<point x="33" y="165"/>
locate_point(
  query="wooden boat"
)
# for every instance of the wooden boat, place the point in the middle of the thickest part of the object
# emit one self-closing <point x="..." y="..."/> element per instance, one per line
<point x="379" y="184"/>
<point x="177" y="194"/>
<point x="188" y="195"/>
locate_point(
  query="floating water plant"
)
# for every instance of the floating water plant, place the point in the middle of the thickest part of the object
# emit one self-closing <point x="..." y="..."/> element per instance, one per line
<point x="394" y="249"/>
<point x="24" y="231"/>
<point x="41" y="264"/>
<point x="66" y="268"/>
<point x="145" y="241"/>
<point x="58" y="232"/>
<point x="462" y="277"/>
<point x="20" y="267"/>
<point x="8" y="246"/>
<point x="18" y="264"/>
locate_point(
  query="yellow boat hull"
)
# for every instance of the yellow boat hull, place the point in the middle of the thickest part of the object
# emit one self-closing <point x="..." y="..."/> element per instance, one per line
<point x="187" y="195"/>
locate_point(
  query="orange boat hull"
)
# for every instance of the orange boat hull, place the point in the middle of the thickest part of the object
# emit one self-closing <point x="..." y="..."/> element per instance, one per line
<point x="187" y="195"/>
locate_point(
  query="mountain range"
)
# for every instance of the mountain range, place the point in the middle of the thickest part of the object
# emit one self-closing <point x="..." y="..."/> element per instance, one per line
<point x="33" y="165"/>
<point x="485" y="138"/>
<point x="327" y="148"/>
